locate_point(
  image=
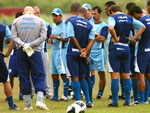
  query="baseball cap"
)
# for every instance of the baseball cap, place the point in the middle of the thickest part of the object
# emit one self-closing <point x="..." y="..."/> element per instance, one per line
<point x="87" y="6"/>
<point x="57" y="11"/>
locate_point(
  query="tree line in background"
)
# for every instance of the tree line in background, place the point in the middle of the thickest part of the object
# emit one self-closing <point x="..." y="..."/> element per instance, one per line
<point x="47" y="5"/>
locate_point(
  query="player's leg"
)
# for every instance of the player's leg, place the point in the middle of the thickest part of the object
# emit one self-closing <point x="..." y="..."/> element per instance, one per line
<point x="24" y="72"/>
<point x="127" y="87"/>
<point x="140" y="68"/>
<point x="83" y="82"/>
<point x="38" y="78"/>
<point x="114" y="69"/>
<point x="102" y="83"/>
<point x="135" y="88"/>
<point x="62" y="71"/>
<point x="65" y="86"/>
<point x="56" y="83"/>
<point x="45" y="58"/>
<point x="122" y="88"/>
<point x="93" y="77"/>
<point x="88" y="80"/>
<point x="73" y="68"/>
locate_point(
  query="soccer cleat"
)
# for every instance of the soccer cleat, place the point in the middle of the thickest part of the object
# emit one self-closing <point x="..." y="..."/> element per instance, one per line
<point x="110" y="97"/>
<point x="49" y="97"/>
<point x="20" y="96"/>
<point x="14" y="108"/>
<point x="89" y="105"/>
<point x="41" y="105"/>
<point x="126" y="104"/>
<point x="28" y="108"/>
<point x="121" y="97"/>
<point x="63" y="98"/>
<point x="111" y="105"/>
<point x="134" y="103"/>
<point x="98" y="97"/>
<point x="146" y="102"/>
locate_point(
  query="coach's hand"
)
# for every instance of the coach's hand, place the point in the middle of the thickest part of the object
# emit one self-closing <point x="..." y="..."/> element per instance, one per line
<point x="29" y="51"/>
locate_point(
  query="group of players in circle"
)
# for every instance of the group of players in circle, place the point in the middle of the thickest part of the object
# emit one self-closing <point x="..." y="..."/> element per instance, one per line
<point x="78" y="50"/>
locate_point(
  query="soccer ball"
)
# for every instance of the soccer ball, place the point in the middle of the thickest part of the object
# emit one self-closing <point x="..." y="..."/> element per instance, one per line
<point x="76" y="107"/>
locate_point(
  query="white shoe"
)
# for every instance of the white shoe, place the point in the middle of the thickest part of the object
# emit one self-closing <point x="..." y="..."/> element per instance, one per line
<point x="41" y="105"/>
<point x="28" y="108"/>
<point x="146" y="102"/>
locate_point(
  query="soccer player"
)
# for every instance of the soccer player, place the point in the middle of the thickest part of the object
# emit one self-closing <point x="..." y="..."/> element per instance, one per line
<point x="98" y="53"/>
<point x="81" y="36"/>
<point x="12" y="70"/>
<point x="45" y="56"/>
<point x="74" y="11"/>
<point x="4" y="77"/>
<point x="28" y="32"/>
<point x="59" y="40"/>
<point x="132" y="59"/>
<point x="88" y="15"/>
<point x="142" y="55"/>
<point x="108" y="4"/>
<point x="120" y="26"/>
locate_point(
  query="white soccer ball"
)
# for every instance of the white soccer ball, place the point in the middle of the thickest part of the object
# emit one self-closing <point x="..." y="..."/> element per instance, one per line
<point x="76" y="107"/>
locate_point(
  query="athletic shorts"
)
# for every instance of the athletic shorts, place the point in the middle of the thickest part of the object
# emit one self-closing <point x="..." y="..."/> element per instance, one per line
<point x="58" y="61"/>
<point x="12" y="67"/>
<point x="3" y="70"/>
<point x="98" y="60"/>
<point x="142" y="63"/>
<point x="76" y="65"/>
<point x="119" y="60"/>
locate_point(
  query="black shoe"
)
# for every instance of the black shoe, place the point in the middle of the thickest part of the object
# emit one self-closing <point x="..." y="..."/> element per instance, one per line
<point x="89" y="105"/>
<point x="14" y="108"/>
<point x="121" y="97"/>
<point x="126" y="104"/>
<point x="111" y="105"/>
<point x="131" y="97"/>
<point x="98" y="97"/>
<point x="110" y="97"/>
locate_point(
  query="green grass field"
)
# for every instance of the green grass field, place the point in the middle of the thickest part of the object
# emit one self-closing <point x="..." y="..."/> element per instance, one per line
<point x="100" y="106"/>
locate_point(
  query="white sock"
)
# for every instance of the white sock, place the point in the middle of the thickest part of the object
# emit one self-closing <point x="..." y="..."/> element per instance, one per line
<point x="40" y="96"/>
<point x="28" y="100"/>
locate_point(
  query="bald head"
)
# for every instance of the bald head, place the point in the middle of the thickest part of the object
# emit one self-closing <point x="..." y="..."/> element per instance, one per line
<point x="28" y="10"/>
<point x="37" y="11"/>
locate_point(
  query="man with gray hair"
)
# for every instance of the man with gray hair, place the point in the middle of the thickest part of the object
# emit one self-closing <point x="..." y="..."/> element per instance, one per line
<point x="28" y="32"/>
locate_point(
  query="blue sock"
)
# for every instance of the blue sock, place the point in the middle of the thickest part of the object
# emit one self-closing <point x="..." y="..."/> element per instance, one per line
<point x="76" y="89"/>
<point x="90" y="88"/>
<point x="135" y="89"/>
<point x="93" y="79"/>
<point x="84" y="87"/>
<point x="100" y="92"/>
<point x="114" y="90"/>
<point x="127" y="88"/>
<point x="122" y="87"/>
<point x="66" y="86"/>
<point x="56" y="87"/>
<point x="141" y="97"/>
<point x="10" y="102"/>
<point x="146" y="90"/>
